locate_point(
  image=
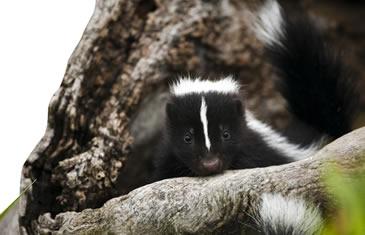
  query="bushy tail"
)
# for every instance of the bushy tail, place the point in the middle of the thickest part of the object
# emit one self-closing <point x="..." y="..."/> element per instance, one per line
<point x="278" y="215"/>
<point x="316" y="84"/>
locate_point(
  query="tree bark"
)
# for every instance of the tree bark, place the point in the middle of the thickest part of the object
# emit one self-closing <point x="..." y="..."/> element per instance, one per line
<point x="107" y="115"/>
<point x="207" y="205"/>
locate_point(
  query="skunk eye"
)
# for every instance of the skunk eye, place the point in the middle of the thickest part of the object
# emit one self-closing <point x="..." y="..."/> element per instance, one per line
<point x="226" y="135"/>
<point x="188" y="138"/>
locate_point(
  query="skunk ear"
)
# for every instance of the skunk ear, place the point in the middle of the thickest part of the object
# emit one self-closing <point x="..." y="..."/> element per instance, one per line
<point x="171" y="111"/>
<point x="238" y="107"/>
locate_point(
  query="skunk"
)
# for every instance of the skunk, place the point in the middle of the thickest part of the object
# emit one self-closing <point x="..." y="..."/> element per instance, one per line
<point x="208" y="129"/>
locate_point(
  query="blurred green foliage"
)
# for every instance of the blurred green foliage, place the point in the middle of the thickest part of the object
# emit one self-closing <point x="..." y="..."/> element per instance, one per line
<point x="349" y="194"/>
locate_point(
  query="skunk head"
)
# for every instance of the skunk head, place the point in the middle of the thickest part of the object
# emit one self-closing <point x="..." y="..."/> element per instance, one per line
<point x="204" y="124"/>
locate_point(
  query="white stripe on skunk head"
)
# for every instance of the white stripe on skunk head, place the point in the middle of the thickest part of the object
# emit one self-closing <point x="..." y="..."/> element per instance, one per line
<point x="204" y="120"/>
<point x="186" y="86"/>
<point x="283" y="215"/>
<point x="268" y="25"/>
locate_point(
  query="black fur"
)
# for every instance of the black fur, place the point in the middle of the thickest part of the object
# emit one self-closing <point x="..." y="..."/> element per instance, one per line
<point x="319" y="88"/>
<point x="315" y="83"/>
<point x="244" y="149"/>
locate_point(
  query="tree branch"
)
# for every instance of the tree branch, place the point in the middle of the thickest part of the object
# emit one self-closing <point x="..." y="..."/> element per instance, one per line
<point x="208" y="205"/>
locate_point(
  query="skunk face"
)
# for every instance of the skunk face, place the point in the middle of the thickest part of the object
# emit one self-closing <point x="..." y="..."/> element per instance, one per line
<point x="205" y="130"/>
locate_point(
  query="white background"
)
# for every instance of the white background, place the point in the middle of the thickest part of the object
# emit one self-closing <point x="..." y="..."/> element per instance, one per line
<point x="36" y="40"/>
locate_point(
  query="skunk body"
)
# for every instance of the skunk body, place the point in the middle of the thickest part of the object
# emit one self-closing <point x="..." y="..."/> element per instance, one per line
<point x="208" y="129"/>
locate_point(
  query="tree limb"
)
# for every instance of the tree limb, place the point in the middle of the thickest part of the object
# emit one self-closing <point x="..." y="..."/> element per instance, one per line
<point x="206" y="205"/>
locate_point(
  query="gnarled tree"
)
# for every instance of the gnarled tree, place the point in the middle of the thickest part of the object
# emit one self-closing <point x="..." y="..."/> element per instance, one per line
<point x="106" y="117"/>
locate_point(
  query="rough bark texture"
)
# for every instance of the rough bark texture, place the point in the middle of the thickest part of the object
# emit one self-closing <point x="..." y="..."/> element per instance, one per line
<point x="106" y="116"/>
<point x="213" y="204"/>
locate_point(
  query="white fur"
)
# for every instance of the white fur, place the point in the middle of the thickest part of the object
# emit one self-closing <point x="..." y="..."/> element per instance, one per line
<point x="279" y="142"/>
<point x="268" y="25"/>
<point x="277" y="213"/>
<point x="186" y="86"/>
<point x="204" y="120"/>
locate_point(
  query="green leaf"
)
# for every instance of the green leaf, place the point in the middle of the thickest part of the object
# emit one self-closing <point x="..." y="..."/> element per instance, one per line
<point x="2" y="215"/>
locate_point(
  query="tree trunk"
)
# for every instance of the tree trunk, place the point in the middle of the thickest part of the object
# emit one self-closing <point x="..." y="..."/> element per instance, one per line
<point x="111" y="101"/>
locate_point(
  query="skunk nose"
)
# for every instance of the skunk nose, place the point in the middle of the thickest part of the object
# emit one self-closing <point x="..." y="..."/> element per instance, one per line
<point x="211" y="165"/>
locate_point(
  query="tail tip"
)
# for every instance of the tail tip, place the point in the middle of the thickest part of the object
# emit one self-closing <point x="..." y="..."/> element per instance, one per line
<point x="268" y="23"/>
<point x="283" y="215"/>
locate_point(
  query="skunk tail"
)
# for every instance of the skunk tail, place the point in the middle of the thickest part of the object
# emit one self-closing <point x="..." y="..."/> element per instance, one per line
<point x="278" y="215"/>
<point x="316" y="84"/>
